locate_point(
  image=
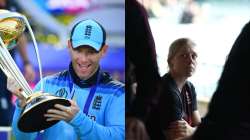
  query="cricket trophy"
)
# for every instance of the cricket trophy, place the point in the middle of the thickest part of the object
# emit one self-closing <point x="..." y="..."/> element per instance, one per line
<point x="12" y="25"/>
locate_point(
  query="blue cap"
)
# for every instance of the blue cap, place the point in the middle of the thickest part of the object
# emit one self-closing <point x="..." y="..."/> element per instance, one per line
<point x="88" y="32"/>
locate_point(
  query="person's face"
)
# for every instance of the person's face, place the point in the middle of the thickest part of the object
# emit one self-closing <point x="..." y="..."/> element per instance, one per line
<point x="184" y="62"/>
<point x="85" y="60"/>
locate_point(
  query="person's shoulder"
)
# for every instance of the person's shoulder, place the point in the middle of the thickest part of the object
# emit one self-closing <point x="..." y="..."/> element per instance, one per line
<point x="169" y="88"/>
<point x="191" y="87"/>
<point x="116" y="85"/>
<point x="166" y="77"/>
<point x="57" y="77"/>
<point x="109" y="85"/>
<point x="168" y="82"/>
<point x="190" y="84"/>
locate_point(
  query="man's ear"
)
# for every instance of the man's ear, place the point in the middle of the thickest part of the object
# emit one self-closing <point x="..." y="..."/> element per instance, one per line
<point x="104" y="50"/>
<point x="69" y="44"/>
<point x="169" y="62"/>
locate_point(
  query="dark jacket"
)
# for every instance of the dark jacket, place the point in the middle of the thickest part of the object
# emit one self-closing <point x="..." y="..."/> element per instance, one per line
<point x="228" y="117"/>
<point x="169" y="107"/>
<point x="141" y="55"/>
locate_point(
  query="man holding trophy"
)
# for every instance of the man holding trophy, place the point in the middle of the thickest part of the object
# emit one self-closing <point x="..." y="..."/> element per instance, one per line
<point x="97" y="102"/>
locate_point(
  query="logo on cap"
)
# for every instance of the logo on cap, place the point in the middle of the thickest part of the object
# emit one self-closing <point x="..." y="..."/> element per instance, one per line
<point x="88" y="30"/>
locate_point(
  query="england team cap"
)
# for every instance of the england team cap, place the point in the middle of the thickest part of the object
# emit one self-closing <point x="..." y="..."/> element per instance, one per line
<point x="88" y="32"/>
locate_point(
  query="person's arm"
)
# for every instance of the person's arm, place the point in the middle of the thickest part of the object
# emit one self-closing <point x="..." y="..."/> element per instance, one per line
<point x="181" y="129"/>
<point x="86" y="128"/>
<point x="196" y="118"/>
<point x="19" y="135"/>
<point x="173" y="116"/>
<point x="186" y="138"/>
<point x="114" y="128"/>
<point x="177" y="129"/>
<point x="170" y="108"/>
<point x="20" y="103"/>
<point x="29" y="72"/>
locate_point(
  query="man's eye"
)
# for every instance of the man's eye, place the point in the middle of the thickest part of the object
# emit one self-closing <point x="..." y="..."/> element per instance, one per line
<point x="194" y="56"/>
<point x="184" y="55"/>
<point x="91" y="52"/>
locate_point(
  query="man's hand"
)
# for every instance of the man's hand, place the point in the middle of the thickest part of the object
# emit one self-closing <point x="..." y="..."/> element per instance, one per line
<point x="179" y="129"/>
<point x="62" y="112"/>
<point x="14" y="88"/>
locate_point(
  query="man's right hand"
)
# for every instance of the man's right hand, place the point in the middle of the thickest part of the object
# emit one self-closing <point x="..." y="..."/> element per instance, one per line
<point x="14" y="88"/>
<point x="179" y="129"/>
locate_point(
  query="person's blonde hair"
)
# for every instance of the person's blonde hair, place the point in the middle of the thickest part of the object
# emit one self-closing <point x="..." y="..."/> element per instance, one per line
<point x="177" y="44"/>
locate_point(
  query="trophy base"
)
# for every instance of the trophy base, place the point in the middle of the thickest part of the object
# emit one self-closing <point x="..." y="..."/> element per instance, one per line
<point x="32" y="118"/>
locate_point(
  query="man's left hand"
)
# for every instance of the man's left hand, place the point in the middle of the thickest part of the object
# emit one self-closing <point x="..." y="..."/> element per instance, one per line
<point x="179" y="129"/>
<point x="62" y="112"/>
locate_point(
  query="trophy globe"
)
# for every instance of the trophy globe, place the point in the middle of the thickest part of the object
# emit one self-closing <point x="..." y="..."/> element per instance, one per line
<point x="12" y="25"/>
<point x="10" y="30"/>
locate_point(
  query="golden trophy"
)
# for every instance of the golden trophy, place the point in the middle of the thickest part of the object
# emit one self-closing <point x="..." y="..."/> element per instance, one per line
<point x="32" y="119"/>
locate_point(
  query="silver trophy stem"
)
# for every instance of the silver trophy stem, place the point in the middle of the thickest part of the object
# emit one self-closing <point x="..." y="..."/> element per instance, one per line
<point x="36" y="50"/>
<point x="10" y="69"/>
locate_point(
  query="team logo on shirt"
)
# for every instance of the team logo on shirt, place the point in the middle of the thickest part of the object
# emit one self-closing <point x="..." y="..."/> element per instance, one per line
<point x="62" y="93"/>
<point x="92" y="117"/>
<point x="97" y="102"/>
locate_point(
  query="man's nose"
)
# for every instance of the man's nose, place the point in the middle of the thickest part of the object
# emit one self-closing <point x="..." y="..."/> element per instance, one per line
<point x="190" y="59"/>
<point x="83" y="56"/>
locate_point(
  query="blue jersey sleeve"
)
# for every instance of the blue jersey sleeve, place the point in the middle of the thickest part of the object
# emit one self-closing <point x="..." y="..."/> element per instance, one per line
<point x="19" y="135"/>
<point x="114" y="128"/>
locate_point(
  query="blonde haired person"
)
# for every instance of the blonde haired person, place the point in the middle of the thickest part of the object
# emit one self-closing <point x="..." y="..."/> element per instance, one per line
<point x="176" y="112"/>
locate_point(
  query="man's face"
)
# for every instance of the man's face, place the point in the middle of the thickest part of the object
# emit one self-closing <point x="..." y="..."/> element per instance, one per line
<point x="184" y="62"/>
<point x="85" y="60"/>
